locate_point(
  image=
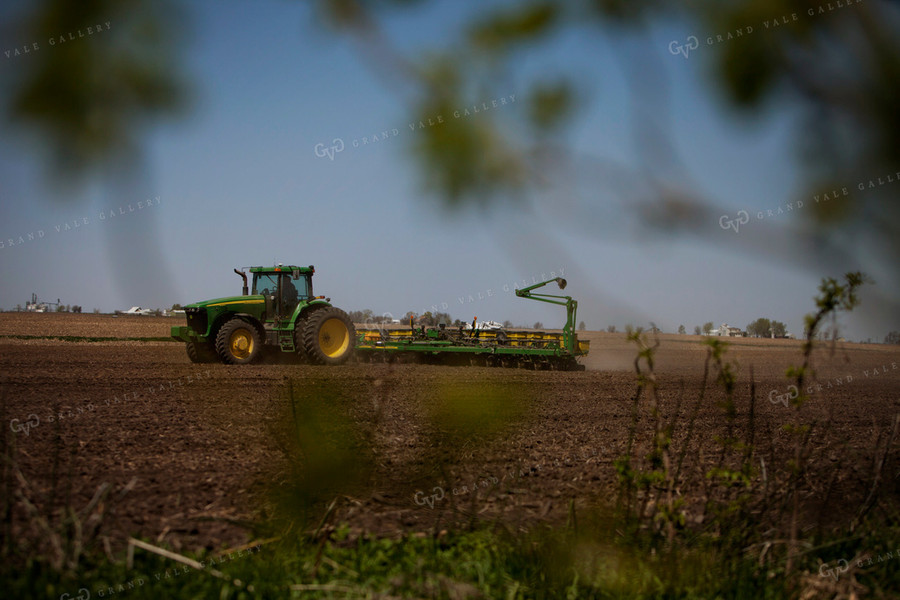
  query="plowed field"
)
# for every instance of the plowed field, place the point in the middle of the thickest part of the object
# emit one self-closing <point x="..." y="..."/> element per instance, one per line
<point x="203" y="444"/>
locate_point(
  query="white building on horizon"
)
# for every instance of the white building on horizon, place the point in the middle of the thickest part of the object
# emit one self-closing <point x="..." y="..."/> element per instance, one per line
<point x="727" y="331"/>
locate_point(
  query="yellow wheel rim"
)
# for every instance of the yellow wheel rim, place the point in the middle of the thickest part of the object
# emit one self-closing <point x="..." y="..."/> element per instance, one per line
<point x="334" y="338"/>
<point x="241" y="344"/>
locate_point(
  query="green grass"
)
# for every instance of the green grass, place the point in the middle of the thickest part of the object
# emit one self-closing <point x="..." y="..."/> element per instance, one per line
<point x="486" y="562"/>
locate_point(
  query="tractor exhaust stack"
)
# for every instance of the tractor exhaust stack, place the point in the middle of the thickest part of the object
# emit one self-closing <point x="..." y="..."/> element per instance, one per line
<point x="245" y="291"/>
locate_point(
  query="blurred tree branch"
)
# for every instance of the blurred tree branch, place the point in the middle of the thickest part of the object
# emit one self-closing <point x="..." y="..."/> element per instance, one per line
<point x="104" y="69"/>
<point x="834" y="72"/>
<point x="835" y="75"/>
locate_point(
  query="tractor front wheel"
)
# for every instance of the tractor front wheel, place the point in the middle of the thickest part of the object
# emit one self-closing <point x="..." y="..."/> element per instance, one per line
<point x="201" y="353"/>
<point x="237" y="342"/>
<point x="329" y="337"/>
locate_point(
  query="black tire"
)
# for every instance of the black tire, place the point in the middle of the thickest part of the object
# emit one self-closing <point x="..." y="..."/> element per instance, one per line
<point x="237" y="342"/>
<point x="300" y="332"/>
<point x="329" y="336"/>
<point x="201" y="353"/>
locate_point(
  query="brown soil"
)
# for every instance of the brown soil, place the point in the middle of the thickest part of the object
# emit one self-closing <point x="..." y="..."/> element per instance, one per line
<point x="86" y="325"/>
<point x="204" y="443"/>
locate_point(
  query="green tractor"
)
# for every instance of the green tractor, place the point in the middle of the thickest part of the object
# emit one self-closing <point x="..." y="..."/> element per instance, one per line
<point x="280" y="314"/>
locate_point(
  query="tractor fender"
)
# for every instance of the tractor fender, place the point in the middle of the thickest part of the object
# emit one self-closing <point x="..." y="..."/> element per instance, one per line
<point x="225" y="317"/>
<point x="302" y="311"/>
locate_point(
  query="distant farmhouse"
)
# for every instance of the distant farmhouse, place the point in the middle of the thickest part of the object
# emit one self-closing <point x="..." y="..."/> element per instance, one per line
<point x="727" y="331"/>
<point x="38" y="305"/>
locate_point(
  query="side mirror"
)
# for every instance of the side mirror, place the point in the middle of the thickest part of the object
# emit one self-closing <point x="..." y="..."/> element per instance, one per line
<point x="561" y="282"/>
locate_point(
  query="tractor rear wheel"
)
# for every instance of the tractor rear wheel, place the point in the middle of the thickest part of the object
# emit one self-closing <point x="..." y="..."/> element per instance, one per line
<point x="300" y="332"/>
<point x="237" y="342"/>
<point x="201" y="353"/>
<point x="329" y="337"/>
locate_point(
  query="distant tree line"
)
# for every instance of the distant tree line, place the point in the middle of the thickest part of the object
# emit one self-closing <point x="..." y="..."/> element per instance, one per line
<point x="367" y="316"/>
<point x="428" y="318"/>
<point x="766" y="328"/>
<point x="67" y="308"/>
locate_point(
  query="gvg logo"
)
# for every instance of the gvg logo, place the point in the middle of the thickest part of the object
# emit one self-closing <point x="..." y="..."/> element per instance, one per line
<point x="676" y="47"/>
<point x="836" y="570"/>
<point x="379" y="322"/>
<point x="792" y="393"/>
<point x="742" y="218"/>
<point x="321" y="150"/>
<point x="32" y="422"/>
<point x="421" y="499"/>
<point x="83" y="594"/>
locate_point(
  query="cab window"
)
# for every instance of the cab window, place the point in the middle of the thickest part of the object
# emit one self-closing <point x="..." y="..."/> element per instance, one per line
<point x="264" y="284"/>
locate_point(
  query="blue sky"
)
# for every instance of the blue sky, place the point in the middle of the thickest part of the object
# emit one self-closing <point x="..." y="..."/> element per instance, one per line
<point x="238" y="183"/>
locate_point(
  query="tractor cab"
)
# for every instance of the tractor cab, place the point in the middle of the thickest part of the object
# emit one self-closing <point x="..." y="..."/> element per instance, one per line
<point x="282" y="288"/>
